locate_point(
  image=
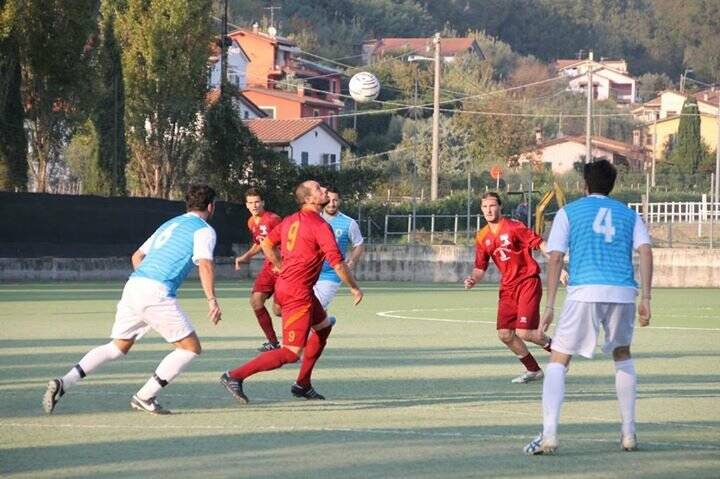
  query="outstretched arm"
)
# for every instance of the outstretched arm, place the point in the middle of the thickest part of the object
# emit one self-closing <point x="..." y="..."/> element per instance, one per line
<point x="475" y="276"/>
<point x="246" y="256"/>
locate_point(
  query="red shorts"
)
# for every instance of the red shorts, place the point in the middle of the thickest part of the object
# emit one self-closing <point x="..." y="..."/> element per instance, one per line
<point x="265" y="281"/>
<point x="299" y="314"/>
<point x="519" y="307"/>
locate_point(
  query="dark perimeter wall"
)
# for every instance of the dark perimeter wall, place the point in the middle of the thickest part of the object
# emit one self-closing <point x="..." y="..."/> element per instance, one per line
<point x="34" y="225"/>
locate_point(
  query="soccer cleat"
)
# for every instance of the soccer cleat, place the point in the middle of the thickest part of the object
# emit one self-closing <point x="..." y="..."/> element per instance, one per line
<point x="308" y="392"/>
<point x="332" y="320"/>
<point x="52" y="395"/>
<point x="269" y="346"/>
<point x="541" y="445"/>
<point x="148" y="405"/>
<point x="234" y="387"/>
<point x="528" y="376"/>
<point x="628" y="442"/>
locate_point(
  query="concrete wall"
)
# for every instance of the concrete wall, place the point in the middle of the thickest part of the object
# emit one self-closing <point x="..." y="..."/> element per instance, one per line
<point x="673" y="267"/>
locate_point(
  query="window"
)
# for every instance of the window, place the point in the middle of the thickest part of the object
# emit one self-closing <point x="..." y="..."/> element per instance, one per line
<point x="304" y="160"/>
<point x="316" y="112"/>
<point x="649" y="140"/>
<point x="246" y="114"/>
<point x="333" y="161"/>
<point x="269" y="111"/>
<point x="325" y="159"/>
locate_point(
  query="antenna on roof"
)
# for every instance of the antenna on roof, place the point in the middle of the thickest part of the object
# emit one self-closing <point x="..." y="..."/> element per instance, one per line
<point x="272" y="17"/>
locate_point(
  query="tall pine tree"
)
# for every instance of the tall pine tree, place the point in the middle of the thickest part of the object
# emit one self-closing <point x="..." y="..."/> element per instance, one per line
<point x="687" y="150"/>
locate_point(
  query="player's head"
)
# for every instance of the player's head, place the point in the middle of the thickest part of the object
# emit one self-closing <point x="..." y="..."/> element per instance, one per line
<point x="491" y="206"/>
<point x="200" y="198"/>
<point x="334" y="201"/>
<point x="599" y="177"/>
<point x="254" y="201"/>
<point x="311" y="193"/>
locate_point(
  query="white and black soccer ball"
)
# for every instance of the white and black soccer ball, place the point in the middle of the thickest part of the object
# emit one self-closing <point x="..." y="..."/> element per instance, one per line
<point x="364" y="87"/>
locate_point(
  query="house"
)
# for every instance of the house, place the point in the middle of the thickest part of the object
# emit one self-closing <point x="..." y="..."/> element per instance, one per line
<point x="237" y="65"/>
<point x="287" y="105"/>
<point x="243" y="105"/>
<point x="284" y="85"/>
<point x="306" y="141"/>
<point x="661" y="118"/>
<point x="610" y="78"/>
<point x="450" y="48"/>
<point x="561" y="154"/>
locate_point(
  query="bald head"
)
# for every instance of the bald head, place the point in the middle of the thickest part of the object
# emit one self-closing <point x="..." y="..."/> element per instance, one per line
<point x="311" y="193"/>
<point x="303" y="191"/>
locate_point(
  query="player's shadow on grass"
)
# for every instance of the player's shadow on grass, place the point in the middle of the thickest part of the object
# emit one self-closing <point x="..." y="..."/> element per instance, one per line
<point x="419" y="451"/>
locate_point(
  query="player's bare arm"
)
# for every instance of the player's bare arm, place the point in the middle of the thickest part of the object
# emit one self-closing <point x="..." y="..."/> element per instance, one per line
<point x="475" y="277"/>
<point x="346" y="276"/>
<point x="271" y="253"/>
<point x="246" y="256"/>
<point x="564" y="276"/>
<point x="646" y="273"/>
<point x="555" y="266"/>
<point x="137" y="258"/>
<point x="355" y="255"/>
<point x="206" y="269"/>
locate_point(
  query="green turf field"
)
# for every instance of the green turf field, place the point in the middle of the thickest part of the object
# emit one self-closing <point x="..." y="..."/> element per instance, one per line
<point x="417" y="382"/>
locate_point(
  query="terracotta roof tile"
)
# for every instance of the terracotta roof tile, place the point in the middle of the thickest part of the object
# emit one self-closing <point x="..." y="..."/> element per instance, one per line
<point x="273" y="131"/>
<point x="448" y="46"/>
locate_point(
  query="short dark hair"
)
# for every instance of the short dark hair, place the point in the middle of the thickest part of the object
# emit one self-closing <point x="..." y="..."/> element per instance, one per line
<point x="254" y="192"/>
<point x="491" y="194"/>
<point x="599" y="177"/>
<point x="332" y="189"/>
<point x="198" y="197"/>
<point x="301" y="192"/>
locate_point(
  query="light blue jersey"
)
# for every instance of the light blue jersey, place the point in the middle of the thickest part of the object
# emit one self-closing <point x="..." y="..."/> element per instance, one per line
<point x="347" y="232"/>
<point x="601" y="242"/>
<point x="173" y="249"/>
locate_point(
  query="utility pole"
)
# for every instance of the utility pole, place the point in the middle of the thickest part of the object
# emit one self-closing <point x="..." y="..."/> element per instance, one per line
<point x="588" y="120"/>
<point x="435" y="123"/>
<point x="223" y="50"/>
<point x="716" y="194"/>
<point x="272" y="14"/>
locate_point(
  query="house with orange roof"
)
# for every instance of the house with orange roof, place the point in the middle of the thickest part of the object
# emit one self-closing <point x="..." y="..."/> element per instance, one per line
<point x="561" y="154"/>
<point x="306" y="141"/>
<point x="450" y="48"/>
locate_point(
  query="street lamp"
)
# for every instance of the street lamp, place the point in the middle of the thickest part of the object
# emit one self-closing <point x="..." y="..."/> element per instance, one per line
<point x="683" y="78"/>
<point x="436" y="115"/>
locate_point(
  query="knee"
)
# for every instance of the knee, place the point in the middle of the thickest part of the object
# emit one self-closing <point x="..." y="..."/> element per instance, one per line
<point x="290" y="356"/>
<point x="622" y="353"/>
<point x="506" y="335"/>
<point x="532" y="335"/>
<point x="256" y="302"/>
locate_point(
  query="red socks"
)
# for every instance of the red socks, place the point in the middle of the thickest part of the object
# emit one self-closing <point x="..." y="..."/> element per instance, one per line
<point x="530" y="363"/>
<point x="266" y="324"/>
<point x="314" y="348"/>
<point x="266" y="361"/>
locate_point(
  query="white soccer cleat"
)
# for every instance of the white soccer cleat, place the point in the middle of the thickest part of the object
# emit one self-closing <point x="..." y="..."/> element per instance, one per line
<point x="148" y="405"/>
<point x="528" y="376"/>
<point x="628" y="442"/>
<point x="546" y="445"/>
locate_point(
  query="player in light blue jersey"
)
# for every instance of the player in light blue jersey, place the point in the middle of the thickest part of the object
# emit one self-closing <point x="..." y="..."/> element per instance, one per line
<point x="347" y="235"/>
<point x="148" y="302"/>
<point x="600" y="235"/>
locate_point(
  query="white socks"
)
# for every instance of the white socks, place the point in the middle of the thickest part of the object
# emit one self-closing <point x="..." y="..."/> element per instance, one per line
<point x="167" y="370"/>
<point x="553" y="395"/>
<point x="90" y="362"/>
<point x="626" y="387"/>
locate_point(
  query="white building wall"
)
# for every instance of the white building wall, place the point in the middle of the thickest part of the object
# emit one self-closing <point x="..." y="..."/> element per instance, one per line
<point x="237" y="68"/>
<point x="316" y="142"/>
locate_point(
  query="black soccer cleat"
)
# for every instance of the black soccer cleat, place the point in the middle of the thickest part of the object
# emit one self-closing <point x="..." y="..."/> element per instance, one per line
<point x="234" y="387"/>
<point x="52" y="395"/>
<point x="269" y="346"/>
<point x="308" y="392"/>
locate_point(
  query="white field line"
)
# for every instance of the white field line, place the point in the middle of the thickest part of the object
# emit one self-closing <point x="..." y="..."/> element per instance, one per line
<point x="394" y="314"/>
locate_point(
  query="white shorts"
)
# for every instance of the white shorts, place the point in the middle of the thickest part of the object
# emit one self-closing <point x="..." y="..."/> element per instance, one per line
<point x="579" y="325"/>
<point x="145" y="305"/>
<point x="325" y="291"/>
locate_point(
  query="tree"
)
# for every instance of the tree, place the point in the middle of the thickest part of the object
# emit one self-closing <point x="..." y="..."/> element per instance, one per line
<point x="108" y="107"/>
<point x="688" y="150"/>
<point x="53" y="41"/>
<point x="165" y="47"/>
<point x="232" y="159"/>
<point x="13" y="143"/>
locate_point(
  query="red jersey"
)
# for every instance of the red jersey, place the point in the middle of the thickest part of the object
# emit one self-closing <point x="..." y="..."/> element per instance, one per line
<point x="306" y="240"/>
<point x="261" y="226"/>
<point x="511" y="250"/>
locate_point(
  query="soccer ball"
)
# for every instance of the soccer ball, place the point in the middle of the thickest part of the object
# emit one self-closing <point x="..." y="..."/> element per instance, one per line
<point x="364" y="87"/>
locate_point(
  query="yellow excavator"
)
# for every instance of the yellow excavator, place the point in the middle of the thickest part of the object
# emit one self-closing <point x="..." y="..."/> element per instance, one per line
<point x="555" y="192"/>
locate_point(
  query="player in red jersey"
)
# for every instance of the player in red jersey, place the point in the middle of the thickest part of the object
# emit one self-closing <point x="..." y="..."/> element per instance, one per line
<point x="306" y="240"/>
<point x="510" y="243"/>
<point x="260" y="223"/>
